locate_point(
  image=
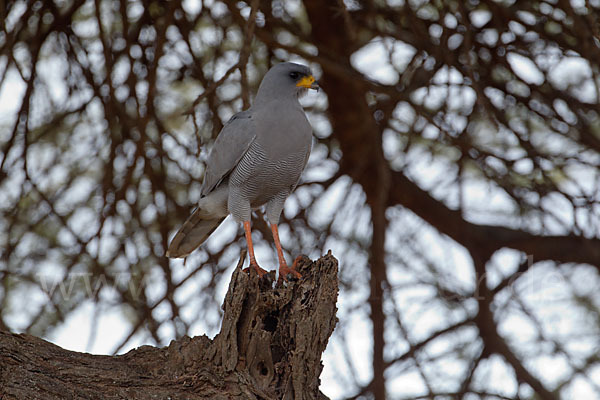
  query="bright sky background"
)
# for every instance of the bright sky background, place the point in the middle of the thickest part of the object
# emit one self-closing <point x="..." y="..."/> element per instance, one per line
<point x="77" y="332"/>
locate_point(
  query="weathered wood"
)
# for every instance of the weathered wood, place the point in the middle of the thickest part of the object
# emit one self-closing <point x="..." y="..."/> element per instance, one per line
<point x="269" y="347"/>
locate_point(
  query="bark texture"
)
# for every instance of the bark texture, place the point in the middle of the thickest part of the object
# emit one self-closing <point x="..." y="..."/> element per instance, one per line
<point x="269" y="347"/>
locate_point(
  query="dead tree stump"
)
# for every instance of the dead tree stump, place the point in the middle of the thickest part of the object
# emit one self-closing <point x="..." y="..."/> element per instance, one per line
<point x="269" y="347"/>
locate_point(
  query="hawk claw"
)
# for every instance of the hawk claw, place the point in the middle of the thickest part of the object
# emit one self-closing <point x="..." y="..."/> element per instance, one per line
<point x="284" y="270"/>
<point x="256" y="268"/>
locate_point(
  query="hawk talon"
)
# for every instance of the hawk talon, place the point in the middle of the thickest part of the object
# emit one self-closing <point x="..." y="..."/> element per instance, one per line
<point x="256" y="268"/>
<point x="296" y="261"/>
<point x="284" y="271"/>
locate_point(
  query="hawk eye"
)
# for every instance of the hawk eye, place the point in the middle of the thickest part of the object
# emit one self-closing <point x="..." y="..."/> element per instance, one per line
<point x="294" y="75"/>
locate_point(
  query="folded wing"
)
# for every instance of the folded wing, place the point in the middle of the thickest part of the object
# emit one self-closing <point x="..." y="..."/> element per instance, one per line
<point x="233" y="142"/>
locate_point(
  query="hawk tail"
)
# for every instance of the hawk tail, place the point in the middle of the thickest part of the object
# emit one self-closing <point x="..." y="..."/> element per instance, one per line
<point x="193" y="233"/>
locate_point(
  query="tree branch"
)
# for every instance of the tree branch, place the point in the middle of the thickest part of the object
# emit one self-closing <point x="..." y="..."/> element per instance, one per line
<point x="269" y="347"/>
<point x="486" y="239"/>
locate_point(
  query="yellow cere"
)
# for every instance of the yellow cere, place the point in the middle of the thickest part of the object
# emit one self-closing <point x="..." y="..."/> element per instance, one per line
<point x="306" y="81"/>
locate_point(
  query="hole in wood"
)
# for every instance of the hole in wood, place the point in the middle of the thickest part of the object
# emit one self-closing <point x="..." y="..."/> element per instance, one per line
<point x="270" y="322"/>
<point x="262" y="369"/>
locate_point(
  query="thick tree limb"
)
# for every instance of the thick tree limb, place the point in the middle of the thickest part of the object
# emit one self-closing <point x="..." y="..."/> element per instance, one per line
<point x="486" y="239"/>
<point x="269" y="347"/>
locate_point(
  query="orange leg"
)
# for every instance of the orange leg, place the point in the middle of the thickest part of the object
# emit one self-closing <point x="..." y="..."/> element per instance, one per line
<point x="253" y="263"/>
<point x="284" y="270"/>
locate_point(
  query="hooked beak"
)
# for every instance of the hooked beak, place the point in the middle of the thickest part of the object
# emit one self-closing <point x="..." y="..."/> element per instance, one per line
<point x="308" y="82"/>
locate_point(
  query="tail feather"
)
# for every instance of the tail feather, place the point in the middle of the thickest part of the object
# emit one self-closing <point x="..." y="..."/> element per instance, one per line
<point x="193" y="233"/>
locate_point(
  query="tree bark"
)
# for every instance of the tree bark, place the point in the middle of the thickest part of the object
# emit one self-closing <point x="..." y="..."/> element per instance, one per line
<point x="269" y="347"/>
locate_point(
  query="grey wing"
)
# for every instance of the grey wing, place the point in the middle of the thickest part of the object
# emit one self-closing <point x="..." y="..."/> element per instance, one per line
<point x="231" y="144"/>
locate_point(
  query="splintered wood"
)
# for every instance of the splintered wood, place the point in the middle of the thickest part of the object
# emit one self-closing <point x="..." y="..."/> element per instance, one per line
<point x="269" y="347"/>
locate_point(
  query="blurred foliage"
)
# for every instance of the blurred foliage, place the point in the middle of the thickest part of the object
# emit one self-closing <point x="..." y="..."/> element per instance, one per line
<point x="462" y="138"/>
